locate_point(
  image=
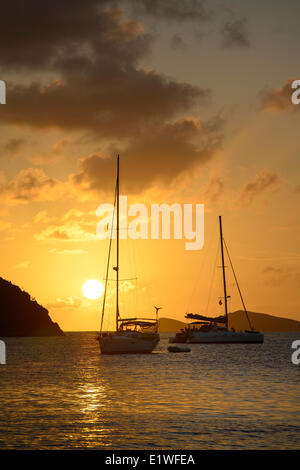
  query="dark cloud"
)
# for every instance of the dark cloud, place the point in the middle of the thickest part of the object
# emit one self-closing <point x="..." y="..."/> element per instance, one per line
<point x="13" y="146"/>
<point x="171" y="10"/>
<point x="44" y="32"/>
<point x="263" y="181"/>
<point x="35" y="34"/>
<point x="235" y="33"/>
<point x="112" y="105"/>
<point x="158" y="155"/>
<point x="178" y="43"/>
<point x="277" y="99"/>
<point x="94" y="54"/>
<point x="275" y="275"/>
<point x="93" y="51"/>
<point x="272" y="269"/>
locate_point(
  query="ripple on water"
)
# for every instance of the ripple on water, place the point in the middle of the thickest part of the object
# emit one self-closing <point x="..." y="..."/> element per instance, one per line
<point x="60" y="393"/>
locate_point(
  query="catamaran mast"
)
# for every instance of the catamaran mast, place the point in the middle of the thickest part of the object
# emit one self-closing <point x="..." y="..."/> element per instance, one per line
<point x="117" y="269"/>
<point x="223" y="269"/>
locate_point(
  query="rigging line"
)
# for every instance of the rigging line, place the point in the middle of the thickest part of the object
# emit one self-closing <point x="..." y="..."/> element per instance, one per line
<point x="136" y="285"/>
<point x="108" y="319"/>
<point x="130" y="293"/>
<point x="134" y="296"/>
<point x="108" y="262"/>
<point x="245" y="310"/>
<point x="212" y="280"/>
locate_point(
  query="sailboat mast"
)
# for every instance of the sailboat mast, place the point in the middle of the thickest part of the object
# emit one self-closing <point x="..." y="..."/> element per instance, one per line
<point x="223" y="270"/>
<point x="118" y="220"/>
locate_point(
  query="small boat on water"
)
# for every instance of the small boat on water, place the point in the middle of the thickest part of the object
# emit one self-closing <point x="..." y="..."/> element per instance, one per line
<point x="178" y="349"/>
<point x="132" y="335"/>
<point x="215" y="329"/>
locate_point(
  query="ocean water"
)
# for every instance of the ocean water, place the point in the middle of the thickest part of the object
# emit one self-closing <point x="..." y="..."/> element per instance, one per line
<point x="60" y="393"/>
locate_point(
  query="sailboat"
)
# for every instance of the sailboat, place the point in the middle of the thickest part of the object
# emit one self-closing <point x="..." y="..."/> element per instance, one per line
<point x="132" y="335"/>
<point x="210" y="330"/>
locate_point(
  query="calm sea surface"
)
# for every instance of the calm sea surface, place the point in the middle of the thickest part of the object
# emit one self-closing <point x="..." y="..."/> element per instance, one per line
<point x="60" y="393"/>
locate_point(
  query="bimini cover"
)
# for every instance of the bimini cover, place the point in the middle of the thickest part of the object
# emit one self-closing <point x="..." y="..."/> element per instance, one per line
<point x="194" y="316"/>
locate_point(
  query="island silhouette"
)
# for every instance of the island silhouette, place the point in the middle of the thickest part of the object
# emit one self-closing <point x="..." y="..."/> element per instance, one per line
<point x="21" y="315"/>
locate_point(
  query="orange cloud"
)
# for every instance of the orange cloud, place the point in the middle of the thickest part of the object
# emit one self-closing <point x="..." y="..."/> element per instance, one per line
<point x="22" y="265"/>
<point x="66" y="232"/>
<point x="28" y="184"/>
<point x="278" y="99"/>
<point x="67" y="252"/>
<point x="33" y="184"/>
<point x="69" y="302"/>
<point x="55" y="153"/>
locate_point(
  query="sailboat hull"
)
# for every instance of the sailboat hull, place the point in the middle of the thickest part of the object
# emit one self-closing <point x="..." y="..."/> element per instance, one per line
<point x="226" y="337"/>
<point x="128" y="344"/>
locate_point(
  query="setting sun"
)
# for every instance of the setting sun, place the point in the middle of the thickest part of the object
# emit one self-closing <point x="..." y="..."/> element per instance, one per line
<point x="92" y="289"/>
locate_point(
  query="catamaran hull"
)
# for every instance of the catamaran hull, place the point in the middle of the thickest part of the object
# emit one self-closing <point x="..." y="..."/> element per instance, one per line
<point x="123" y="345"/>
<point x="226" y="338"/>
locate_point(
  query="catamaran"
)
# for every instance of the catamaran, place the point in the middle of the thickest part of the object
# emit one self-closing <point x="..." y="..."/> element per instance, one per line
<point x="132" y="335"/>
<point x="215" y="329"/>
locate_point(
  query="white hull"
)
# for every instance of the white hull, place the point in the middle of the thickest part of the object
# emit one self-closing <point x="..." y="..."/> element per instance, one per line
<point x="127" y="344"/>
<point x="225" y="337"/>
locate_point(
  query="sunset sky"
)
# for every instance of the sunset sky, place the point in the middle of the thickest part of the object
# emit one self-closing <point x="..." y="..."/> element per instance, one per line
<point x="195" y="96"/>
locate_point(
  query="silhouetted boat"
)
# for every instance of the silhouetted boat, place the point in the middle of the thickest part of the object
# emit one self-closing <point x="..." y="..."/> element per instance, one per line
<point x="210" y="330"/>
<point x="132" y="335"/>
<point x="181" y="336"/>
<point x="178" y="349"/>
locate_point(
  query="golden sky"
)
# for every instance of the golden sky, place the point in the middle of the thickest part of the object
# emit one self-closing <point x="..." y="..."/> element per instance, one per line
<point x="195" y="96"/>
